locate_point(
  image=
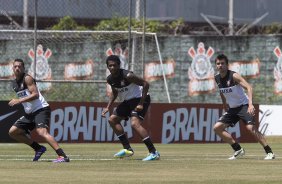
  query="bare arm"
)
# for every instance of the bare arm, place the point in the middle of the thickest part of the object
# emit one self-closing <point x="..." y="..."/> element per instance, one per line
<point x="141" y="82"/>
<point x="113" y="96"/>
<point x="32" y="88"/>
<point x="225" y="105"/>
<point x="240" y="80"/>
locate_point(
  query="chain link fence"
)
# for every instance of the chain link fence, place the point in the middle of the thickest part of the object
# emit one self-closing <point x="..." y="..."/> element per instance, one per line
<point x="69" y="66"/>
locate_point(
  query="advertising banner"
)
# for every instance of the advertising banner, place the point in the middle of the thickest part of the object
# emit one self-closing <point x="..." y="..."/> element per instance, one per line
<point x="167" y="123"/>
<point x="270" y="120"/>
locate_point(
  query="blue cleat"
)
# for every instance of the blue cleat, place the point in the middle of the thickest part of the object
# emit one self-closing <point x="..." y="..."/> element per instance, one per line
<point x="39" y="152"/>
<point x="124" y="153"/>
<point x="152" y="156"/>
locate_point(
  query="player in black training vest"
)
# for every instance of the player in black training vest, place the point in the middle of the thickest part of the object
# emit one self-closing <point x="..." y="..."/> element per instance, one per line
<point x="238" y="106"/>
<point x="133" y="92"/>
<point x="37" y="114"/>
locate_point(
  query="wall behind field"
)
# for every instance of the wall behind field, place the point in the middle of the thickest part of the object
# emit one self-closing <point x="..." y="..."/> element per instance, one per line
<point x="253" y="56"/>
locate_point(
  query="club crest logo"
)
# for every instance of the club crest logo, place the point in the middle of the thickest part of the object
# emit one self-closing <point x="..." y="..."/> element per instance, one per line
<point x="201" y="67"/>
<point x="278" y="71"/>
<point x="201" y="72"/>
<point x="40" y="68"/>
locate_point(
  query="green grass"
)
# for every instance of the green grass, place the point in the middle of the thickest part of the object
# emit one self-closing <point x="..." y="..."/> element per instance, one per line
<point x="180" y="163"/>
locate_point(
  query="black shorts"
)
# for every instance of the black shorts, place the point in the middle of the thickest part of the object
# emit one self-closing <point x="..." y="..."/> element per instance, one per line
<point x="37" y="119"/>
<point x="233" y="115"/>
<point x="126" y="108"/>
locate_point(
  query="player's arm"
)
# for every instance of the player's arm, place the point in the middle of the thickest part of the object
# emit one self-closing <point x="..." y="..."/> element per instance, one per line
<point x="141" y="82"/>
<point x="112" y="98"/>
<point x="225" y="105"/>
<point x="32" y="88"/>
<point x="240" y="80"/>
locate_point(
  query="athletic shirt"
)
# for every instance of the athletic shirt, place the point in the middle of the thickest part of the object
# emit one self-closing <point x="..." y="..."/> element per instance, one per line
<point x="22" y="91"/>
<point x="126" y="90"/>
<point x="232" y="91"/>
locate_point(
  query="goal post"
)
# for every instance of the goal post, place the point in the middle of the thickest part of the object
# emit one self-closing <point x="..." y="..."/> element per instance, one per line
<point x="76" y="58"/>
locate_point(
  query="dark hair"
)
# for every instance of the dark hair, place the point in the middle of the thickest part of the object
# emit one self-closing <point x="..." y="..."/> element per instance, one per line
<point x="19" y="60"/>
<point x="114" y="58"/>
<point x="222" y="57"/>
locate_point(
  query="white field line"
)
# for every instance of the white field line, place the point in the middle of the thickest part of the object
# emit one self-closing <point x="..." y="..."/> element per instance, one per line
<point x="165" y="158"/>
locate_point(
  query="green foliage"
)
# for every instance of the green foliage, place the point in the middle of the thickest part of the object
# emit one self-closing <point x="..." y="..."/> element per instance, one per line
<point x="67" y="23"/>
<point x="177" y="25"/>
<point x="122" y="24"/>
<point x="113" y="24"/>
<point x="118" y="23"/>
<point x="273" y="28"/>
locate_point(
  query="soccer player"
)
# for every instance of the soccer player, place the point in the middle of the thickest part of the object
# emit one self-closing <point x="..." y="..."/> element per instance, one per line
<point x="238" y="106"/>
<point x="133" y="92"/>
<point x="37" y="114"/>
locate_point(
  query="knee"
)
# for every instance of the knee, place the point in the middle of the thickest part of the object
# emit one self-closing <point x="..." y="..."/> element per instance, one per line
<point x="251" y="129"/>
<point x="113" y="120"/>
<point x="42" y="132"/>
<point x="135" y="125"/>
<point x="217" y="128"/>
<point x="13" y="131"/>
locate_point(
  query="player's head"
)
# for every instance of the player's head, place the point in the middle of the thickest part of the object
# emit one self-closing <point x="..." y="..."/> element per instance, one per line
<point x="20" y="61"/>
<point x="222" y="57"/>
<point x="18" y="67"/>
<point x="113" y="58"/>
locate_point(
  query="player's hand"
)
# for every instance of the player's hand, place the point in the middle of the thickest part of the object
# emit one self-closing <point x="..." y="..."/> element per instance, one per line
<point x="14" y="102"/>
<point x="139" y="108"/>
<point x="105" y="110"/>
<point x="251" y="110"/>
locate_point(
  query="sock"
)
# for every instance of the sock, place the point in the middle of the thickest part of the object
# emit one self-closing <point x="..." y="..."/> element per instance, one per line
<point x="236" y="146"/>
<point x="61" y="153"/>
<point x="35" y="146"/>
<point x="267" y="149"/>
<point x="124" y="141"/>
<point x="149" y="145"/>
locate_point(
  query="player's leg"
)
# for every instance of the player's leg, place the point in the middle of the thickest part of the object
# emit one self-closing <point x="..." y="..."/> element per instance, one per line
<point x="136" y="124"/>
<point x="20" y="135"/>
<point x="43" y="133"/>
<point x="121" y="112"/>
<point x="229" y="119"/>
<point x="220" y="129"/>
<point x="20" y="131"/>
<point x="137" y="118"/>
<point x="41" y="120"/>
<point x="261" y="139"/>
<point x="251" y="127"/>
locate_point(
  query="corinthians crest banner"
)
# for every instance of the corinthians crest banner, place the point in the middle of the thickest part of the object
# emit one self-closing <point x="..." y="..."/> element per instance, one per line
<point x="201" y="73"/>
<point x="278" y="72"/>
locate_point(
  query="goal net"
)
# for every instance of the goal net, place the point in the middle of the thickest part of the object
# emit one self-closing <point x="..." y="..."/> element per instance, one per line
<point x="70" y="65"/>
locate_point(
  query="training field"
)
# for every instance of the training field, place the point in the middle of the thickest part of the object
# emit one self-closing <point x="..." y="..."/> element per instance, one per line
<point x="180" y="163"/>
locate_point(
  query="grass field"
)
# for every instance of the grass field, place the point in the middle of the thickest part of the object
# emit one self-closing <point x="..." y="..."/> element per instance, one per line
<point x="180" y="163"/>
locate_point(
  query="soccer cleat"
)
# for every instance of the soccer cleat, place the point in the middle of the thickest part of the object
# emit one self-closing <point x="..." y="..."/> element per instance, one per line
<point x="61" y="159"/>
<point x="269" y="156"/>
<point x="38" y="153"/>
<point x="152" y="156"/>
<point x="124" y="153"/>
<point x="237" y="154"/>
